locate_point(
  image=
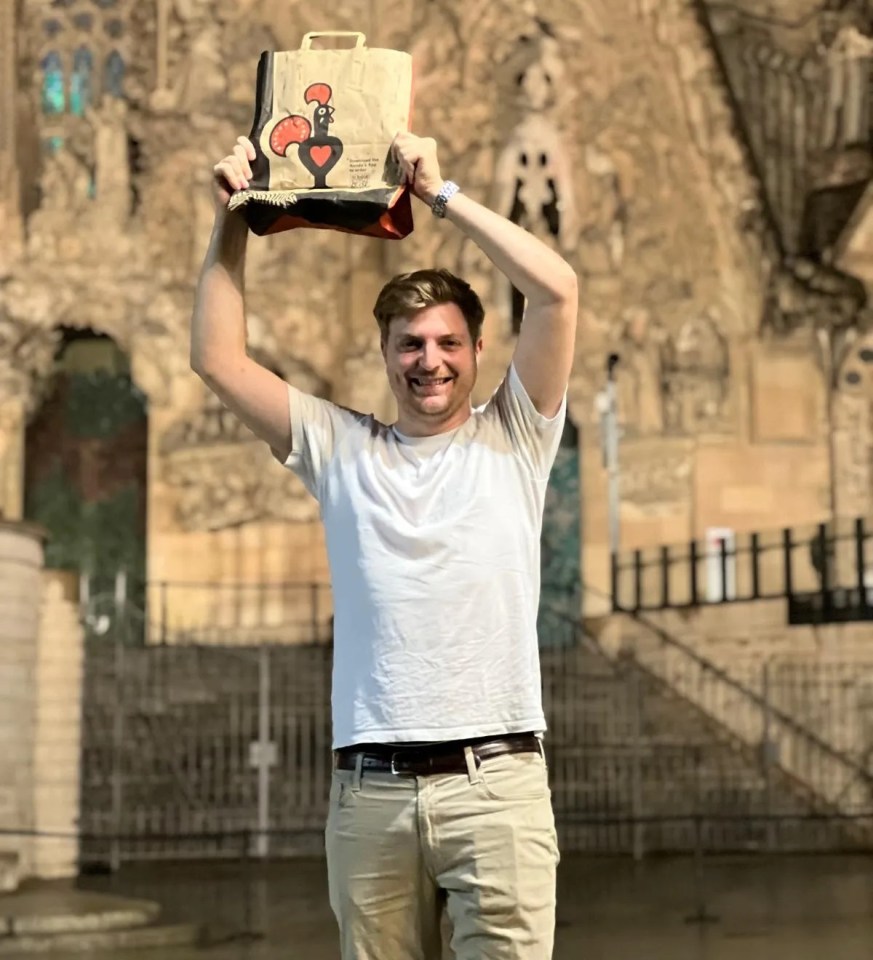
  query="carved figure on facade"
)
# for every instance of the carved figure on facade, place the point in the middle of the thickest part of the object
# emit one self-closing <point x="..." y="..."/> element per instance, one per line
<point x="65" y="196"/>
<point x="222" y="476"/>
<point x="696" y="378"/>
<point x="27" y="356"/>
<point x="220" y="473"/>
<point x="533" y="173"/>
<point x="853" y="428"/>
<point x="640" y="374"/>
<point x="804" y="294"/>
<point x="607" y="214"/>
<point x="658" y="483"/>
<point x="112" y="176"/>
<point x="846" y="119"/>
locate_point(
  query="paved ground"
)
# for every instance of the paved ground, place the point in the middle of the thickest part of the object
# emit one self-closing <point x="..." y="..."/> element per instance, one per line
<point x="813" y="908"/>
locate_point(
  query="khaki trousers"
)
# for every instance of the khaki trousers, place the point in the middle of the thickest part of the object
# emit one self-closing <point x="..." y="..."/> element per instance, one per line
<point x="481" y="843"/>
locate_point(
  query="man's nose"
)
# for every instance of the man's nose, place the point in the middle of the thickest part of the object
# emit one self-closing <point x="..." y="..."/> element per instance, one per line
<point x="430" y="356"/>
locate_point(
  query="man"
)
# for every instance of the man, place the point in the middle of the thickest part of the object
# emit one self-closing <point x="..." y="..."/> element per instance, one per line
<point x="440" y="793"/>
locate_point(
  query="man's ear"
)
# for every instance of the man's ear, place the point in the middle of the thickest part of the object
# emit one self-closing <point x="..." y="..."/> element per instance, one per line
<point x="383" y="346"/>
<point x="480" y="343"/>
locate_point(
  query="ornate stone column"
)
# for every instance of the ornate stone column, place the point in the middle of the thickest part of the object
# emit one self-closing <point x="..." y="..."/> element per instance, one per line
<point x="41" y="660"/>
<point x="57" y="740"/>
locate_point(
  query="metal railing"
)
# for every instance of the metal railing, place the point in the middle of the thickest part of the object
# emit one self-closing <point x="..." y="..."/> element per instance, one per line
<point x="824" y="571"/>
<point x="772" y="711"/>
<point x="211" y="613"/>
<point x="189" y="747"/>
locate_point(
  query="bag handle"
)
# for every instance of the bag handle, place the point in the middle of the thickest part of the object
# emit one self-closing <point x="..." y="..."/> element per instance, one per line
<point x="360" y="39"/>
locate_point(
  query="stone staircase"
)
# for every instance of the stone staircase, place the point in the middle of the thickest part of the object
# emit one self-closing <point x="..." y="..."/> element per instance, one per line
<point x="624" y="745"/>
<point x="57" y="918"/>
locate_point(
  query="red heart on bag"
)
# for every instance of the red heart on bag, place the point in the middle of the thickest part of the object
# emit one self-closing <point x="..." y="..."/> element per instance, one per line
<point x="320" y="155"/>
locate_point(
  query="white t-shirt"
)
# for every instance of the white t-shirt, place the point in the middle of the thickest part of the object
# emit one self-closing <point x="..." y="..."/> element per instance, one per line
<point x="434" y="552"/>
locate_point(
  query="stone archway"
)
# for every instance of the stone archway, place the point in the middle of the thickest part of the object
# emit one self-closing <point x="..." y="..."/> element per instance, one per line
<point x="85" y="453"/>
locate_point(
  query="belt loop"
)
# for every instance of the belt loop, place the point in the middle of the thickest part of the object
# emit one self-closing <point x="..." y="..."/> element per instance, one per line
<point x="541" y="748"/>
<point x="472" y="765"/>
<point x="359" y="772"/>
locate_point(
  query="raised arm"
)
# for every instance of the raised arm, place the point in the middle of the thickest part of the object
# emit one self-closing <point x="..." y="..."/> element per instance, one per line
<point x="545" y="349"/>
<point x="218" y="326"/>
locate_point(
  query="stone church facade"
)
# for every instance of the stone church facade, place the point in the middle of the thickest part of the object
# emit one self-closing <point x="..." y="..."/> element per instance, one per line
<point x="704" y="169"/>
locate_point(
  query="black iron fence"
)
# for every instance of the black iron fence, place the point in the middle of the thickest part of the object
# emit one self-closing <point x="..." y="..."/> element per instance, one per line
<point x="825" y="572"/>
<point x="191" y="749"/>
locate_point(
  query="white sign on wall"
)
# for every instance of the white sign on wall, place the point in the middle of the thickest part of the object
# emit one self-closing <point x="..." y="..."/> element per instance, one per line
<point x="721" y="571"/>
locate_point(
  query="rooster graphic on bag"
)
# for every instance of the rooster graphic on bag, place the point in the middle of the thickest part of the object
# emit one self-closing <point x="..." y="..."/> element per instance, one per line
<point x="318" y="150"/>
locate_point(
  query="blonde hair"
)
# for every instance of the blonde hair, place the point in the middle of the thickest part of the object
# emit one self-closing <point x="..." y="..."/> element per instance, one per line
<point x="408" y="293"/>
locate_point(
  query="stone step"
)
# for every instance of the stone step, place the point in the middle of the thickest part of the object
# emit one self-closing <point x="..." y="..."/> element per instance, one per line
<point x="52" y="909"/>
<point x="95" y="942"/>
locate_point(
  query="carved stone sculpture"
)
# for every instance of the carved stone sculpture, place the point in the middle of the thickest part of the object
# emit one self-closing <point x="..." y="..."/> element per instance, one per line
<point x="847" y="106"/>
<point x="696" y="378"/>
<point x="533" y="175"/>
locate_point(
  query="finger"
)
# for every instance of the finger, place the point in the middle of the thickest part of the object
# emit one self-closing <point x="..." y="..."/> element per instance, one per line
<point x="230" y="171"/>
<point x="251" y="153"/>
<point x="239" y="151"/>
<point x="240" y="179"/>
<point x="221" y="181"/>
<point x="409" y="159"/>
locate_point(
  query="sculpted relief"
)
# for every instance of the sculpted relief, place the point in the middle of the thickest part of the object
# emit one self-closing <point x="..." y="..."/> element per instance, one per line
<point x="696" y="378"/>
<point x="222" y="476"/>
<point x="676" y="384"/>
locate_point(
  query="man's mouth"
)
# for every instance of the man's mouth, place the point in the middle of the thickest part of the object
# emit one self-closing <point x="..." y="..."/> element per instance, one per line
<point x="429" y="385"/>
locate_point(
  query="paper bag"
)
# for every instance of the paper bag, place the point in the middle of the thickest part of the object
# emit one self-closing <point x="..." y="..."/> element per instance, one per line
<point x="323" y="126"/>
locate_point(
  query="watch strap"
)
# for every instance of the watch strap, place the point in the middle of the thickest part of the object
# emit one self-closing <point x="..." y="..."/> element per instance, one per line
<point x="446" y="192"/>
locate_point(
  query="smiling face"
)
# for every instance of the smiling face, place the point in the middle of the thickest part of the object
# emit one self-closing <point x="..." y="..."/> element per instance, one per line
<point x="431" y="364"/>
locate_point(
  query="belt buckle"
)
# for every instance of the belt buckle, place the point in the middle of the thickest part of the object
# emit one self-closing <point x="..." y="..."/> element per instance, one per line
<point x="394" y="770"/>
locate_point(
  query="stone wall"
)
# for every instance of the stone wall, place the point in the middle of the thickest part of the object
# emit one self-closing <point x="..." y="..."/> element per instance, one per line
<point x="20" y="586"/>
<point x="725" y="422"/>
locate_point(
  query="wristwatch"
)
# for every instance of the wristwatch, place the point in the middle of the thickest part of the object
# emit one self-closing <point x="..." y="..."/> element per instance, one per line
<point x="446" y="192"/>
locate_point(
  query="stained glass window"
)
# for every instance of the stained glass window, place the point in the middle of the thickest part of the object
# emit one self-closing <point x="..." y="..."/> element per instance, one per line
<point x="81" y="87"/>
<point x="83" y="57"/>
<point x="54" y="98"/>
<point x="113" y="75"/>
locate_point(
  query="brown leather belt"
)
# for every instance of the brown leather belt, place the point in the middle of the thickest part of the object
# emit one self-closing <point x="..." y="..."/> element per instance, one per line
<point x="432" y="758"/>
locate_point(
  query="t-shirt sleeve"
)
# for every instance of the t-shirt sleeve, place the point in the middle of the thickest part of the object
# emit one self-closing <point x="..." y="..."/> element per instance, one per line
<point x="317" y="426"/>
<point x="534" y="438"/>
